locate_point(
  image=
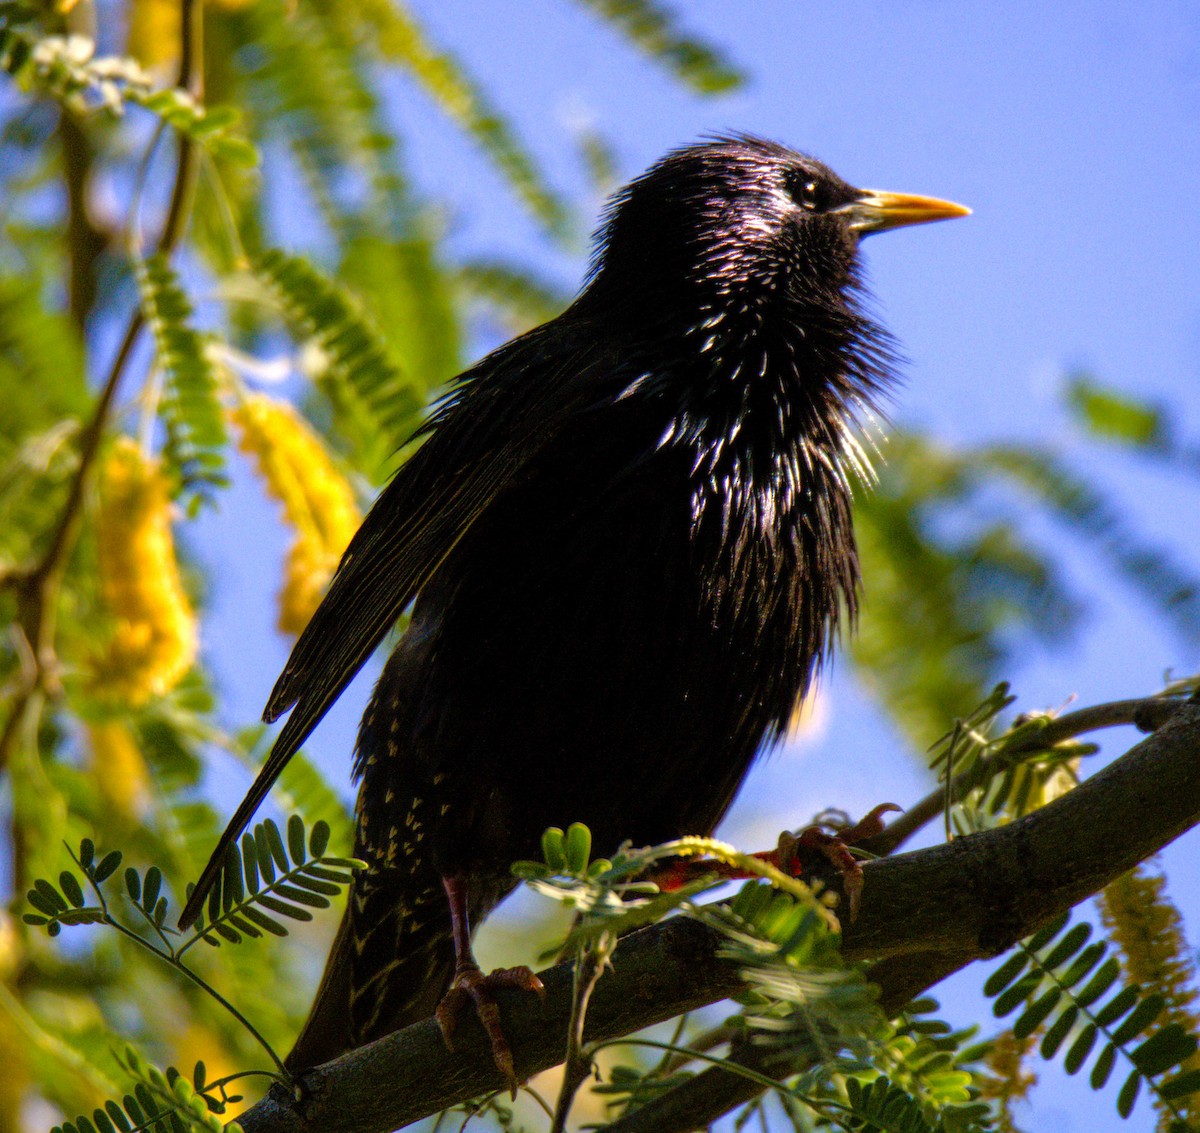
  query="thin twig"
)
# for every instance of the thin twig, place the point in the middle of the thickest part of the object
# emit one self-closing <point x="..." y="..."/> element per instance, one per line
<point x="589" y="967"/>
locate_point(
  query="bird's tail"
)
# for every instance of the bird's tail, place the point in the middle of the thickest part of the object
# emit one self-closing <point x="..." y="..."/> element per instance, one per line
<point x="391" y="962"/>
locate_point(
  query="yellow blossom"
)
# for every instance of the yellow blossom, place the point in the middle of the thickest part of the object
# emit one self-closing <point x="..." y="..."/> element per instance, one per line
<point x="318" y="502"/>
<point x="119" y="769"/>
<point x="153" y="641"/>
<point x="1146" y="927"/>
<point x="1009" y="1081"/>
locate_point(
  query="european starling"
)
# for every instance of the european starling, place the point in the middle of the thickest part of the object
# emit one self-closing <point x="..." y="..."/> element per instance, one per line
<point x="627" y="544"/>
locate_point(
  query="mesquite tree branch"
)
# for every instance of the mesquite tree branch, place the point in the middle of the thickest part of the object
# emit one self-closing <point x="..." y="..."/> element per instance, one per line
<point x="923" y="915"/>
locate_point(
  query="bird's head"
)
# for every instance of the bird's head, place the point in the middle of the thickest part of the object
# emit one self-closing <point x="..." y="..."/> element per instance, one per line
<point x="736" y="222"/>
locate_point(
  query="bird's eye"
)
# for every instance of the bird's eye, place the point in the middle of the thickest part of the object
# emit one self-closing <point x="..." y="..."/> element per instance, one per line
<point x="809" y="192"/>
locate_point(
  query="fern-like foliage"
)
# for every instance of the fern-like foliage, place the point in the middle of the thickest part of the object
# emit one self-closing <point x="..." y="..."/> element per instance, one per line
<point x="265" y="875"/>
<point x="800" y="993"/>
<point x="1045" y="977"/>
<point x="935" y="1064"/>
<point x="652" y="28"/>
<point x="266" y="878"/>
<point x="190" y="406"/>
<point x="356" y="364"/>
<point x="1151" y="571"/>
<point x="882" y="1106"/>
<point x="161" y="1102"/>
<point x="518" y="298"/>
<point x="66" y="69"/>
<point x="398" y="37"/>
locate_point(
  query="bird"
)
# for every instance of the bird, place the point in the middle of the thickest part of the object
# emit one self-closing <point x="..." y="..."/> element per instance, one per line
<point x="626" y="543"/>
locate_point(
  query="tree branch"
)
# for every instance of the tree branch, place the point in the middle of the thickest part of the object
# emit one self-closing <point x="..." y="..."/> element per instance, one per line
<point x="924" y="915"/>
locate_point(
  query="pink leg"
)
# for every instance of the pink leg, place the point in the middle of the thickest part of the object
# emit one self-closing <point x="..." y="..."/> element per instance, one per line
<point x="471" y="985"/>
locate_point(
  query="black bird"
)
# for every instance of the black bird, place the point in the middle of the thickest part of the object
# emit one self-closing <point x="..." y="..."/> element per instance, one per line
<point x="627" y="544"/>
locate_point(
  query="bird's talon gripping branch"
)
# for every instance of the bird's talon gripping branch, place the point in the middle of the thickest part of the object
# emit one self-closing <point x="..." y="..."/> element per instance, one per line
<point x="472" y="986"/>
<point x="794" y="852"/>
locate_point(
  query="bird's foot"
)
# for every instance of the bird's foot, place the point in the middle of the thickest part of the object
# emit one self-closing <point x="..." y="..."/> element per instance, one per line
<point x="471" y="985"/>
<point x="794" y="855"/>
<point x="833" y="841"/>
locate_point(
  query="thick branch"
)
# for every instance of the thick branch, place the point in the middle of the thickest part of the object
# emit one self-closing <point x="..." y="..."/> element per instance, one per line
<point x="923" y="915"/>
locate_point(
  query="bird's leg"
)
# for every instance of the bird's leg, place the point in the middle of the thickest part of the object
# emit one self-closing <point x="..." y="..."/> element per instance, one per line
<point x="470" y="984"/>
<point x="794" y="856"/>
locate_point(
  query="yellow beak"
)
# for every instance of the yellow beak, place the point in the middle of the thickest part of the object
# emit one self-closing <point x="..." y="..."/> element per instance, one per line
<point x="876" y="210"/>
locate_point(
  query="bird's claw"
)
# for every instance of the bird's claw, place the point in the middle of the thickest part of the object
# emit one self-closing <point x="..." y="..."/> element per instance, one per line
<point x="835" y="846"/>
<point x="471" y="985"/>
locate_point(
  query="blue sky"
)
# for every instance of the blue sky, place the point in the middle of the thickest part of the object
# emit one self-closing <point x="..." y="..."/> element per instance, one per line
<point x="1071" y="130"/>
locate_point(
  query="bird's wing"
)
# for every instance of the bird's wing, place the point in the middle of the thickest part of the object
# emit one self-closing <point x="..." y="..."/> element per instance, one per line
<point x="502" y="413"/>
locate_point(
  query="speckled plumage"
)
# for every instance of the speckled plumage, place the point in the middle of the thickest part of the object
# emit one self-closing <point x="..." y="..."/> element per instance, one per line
<point x="627" y="540"/>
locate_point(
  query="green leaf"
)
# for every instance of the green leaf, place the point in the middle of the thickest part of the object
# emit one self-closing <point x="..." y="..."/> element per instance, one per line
<point x="1068" y="946"/>
<point x="52" y="898"/>
<point x="265" y="851"/>
<point x="1139" y="1019"/>
<point x="283" y="909"/>
<point x="295" y="831"/>
<point x="1116" y="416"/>
<point x="301" y="897"/>
<point x="1099" y="984"/>
<point x="1167" y="1047"/>
<point x="1117" y="1006"/>
<point x="1047" y="933"/>
<point x="71" y="888"/>
<point x="117" y="1115"/>
<point x="250" y="862"/>
<point x="554" y="849"/>
<point x="266" y="923"/>
<point x="578" y="848"/>
<point x="1083" y="964"/>
<point x="1103" y="1067"/>
<point x="1014" y="996"/>
<point x="1058" y="1031"/>
<point x="1127" y="1098"/>
<point x="151" y="887"/>
<point x="1181" y="1085"/>
<point x="1036" y="1014"/>
<point x="1005" y="974"/>
<point x="231" y="878"/>
<point x="318" y="839"/>
<point x="1080" y="1049"/>
<point x="107" y="867"/>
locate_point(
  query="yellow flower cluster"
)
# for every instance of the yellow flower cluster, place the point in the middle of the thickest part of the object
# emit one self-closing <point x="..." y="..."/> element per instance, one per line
<point x="153" y="30"/>
<point x="153" y="641"/>
<point x="1147" y="928"/>
<point x="1009" y="1080"/>
<point x="119" y="769"/>
<point x="318" y="502"/>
